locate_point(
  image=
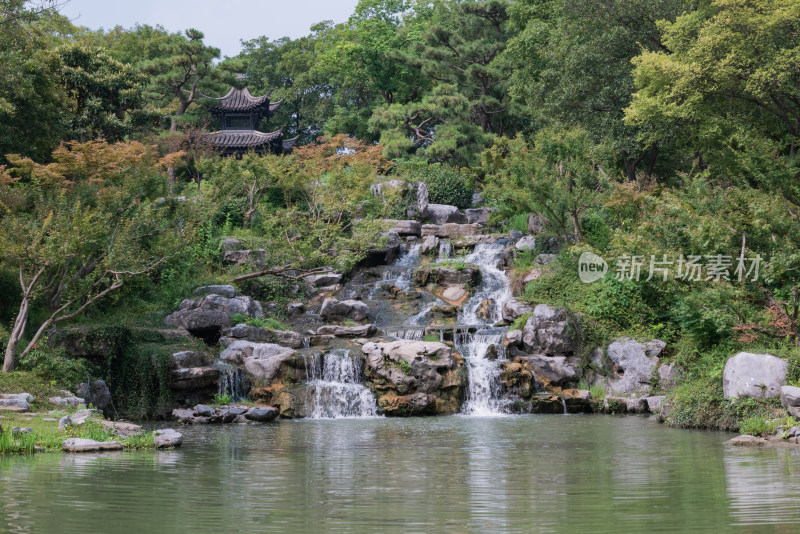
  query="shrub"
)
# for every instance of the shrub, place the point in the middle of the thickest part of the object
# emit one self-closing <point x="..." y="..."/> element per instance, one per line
<point x="446" y="185"/>
<point x="758" y="426"/>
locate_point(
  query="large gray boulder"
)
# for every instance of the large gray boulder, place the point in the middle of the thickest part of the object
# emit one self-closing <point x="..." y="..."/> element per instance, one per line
<point x="444" y="213"/>
<point x="366" y="330"/>
<point x="535" y="224"/>
<point x="255" y="257"/>
<point x="96" y="394"/>
<point x="406" y="227"/>
<point x="551" y="331"/>
<point x="187" y="358"/>
<point x="632" y="364"/>
<point x="266" y="361"/>
<point x="512" y="308"/>
<point x="790" y="399"/>
<point x="67" y="399"/>
<point x="526" y="243"/>
<point x="430" y="245"/>
<point x="167" y="437"/>
<point x="16" y="401"/>
<point x="668" y="375"/>
<point x="90" y="445"/>
<point x="451" y="230"/>
<point x="339" y="310"/>
<point x="558" y="370"/>
<point x="260" y="334"/>
<point x="227" y="291"/>
<point x="193" y="378"/>
<point x="477" y="215"/>
<point x="324" y="280"/>
<point x="261" y="414"/>
<point x="211" y="313"/>
<point x="753" y="375"/>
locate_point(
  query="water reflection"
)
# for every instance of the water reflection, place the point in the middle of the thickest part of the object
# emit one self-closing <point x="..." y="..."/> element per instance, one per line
<point x="512" y="474"/>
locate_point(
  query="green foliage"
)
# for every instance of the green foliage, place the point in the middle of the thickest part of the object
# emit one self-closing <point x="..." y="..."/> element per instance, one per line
<point x="431" y="338"/>
<point x="700" y="404"/>
<point x="518" y="222"/>
<point x="758" y="426"/>
<point x="274" y="289"/>
<point x="446" y="185"/>
<point x="221" y="399"/>
<point x="57" y="367"/>
<point x="404" y="366"/>
<point x="519" y="322"/>
<point x="269" y="323"/>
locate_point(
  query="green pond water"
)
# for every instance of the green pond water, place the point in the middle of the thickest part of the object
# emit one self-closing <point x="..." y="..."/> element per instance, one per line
<point x="443" y="474"/>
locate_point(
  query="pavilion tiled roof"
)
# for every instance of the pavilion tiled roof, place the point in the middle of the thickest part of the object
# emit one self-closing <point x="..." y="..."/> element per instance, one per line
<point x="243" y="138"/>
<point x="240" y="100"/>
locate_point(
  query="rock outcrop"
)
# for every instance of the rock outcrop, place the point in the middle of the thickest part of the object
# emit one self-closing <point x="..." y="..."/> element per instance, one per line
<point x="753" y="375"/>
<point x="340" y="310"/>
<point x="415" y="377"/>
<point x="551" y="331"/>
<point x="206" y="317"/>
<point x="632" y="364"/>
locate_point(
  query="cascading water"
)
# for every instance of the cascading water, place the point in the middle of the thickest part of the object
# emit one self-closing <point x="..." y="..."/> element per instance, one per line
<point x="400" y="272"/>
<point x="336" y="389"/>
<point x="231" y="381"/>
<point x="484" y="349"/>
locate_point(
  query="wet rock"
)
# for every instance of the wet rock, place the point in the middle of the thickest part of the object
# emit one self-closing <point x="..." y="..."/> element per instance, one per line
<point x="486" y="309"/>
<point x="403" y="228"/>
<point x="244" y="257"/>
<point x="515" y="234"/>
<point x="626" y="405"/>
<point x="746" y="440"/>
<point x="454" y="295"/>
<point x="261" y="414"/>
<point x="96" y="394"/>
<point x="753" y="375"/>
<point x="203" y="410"/>
<point x="517" y="379"/>
<point x="226" y="291"/>
<point x="266" y="360"/>
<point x="526" y="243"/>
<point x="167" y="438"/>
<point x="444" y="213"/>
<point x="340" y="310"/>
<point x="790" y="399"/>
<point x="188" y="358"/>
<point x="477" y="215"/>
<point x="183" y="415"/>
<point x="414" y="377"/>
<point x="295" y="309"/>
<point x="632" y="364"/>
<point x="366" y="330"/>
<point x="558" y="370"/>
<point x="446" y="276"/>
<point x="262" y="335"/>
<point x="193" y="378"/>
<point x="90" y="445"/>
<point x="551" y="331"/>
<point x="451" y="230"/>
<point x="512" y="308"/>
<point x="513" y="338"/>
<point x="321" y="341"/>
<point x="430" y="245"/>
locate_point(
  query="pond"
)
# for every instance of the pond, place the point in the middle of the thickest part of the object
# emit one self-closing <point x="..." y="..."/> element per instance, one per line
<point x="456" y="474"/>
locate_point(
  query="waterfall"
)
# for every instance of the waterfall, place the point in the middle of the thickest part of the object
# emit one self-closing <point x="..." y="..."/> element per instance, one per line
<point x="411" y="334"/>
<point x="444" y="249"/>
<point x="231" y="381"/>
<point x="484" y="349"/>
<point x="336" y="387"/>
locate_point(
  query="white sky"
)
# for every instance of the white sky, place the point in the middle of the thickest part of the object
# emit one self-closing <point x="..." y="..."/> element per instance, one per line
<point x="220" y="20"/>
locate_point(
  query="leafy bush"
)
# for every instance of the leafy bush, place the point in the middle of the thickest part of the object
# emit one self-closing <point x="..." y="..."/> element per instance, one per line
<point x="54" y="365"/>
<point x="220" y="399"/>
<point x="446" y="185"/>
<point x="758" y="426"/>
<point x="273" y="289"/>
<point x="270" y="323"/>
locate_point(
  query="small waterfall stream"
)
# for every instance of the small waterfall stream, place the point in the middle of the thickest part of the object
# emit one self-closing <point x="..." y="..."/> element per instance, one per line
<point x="484" y="349"/>
<point x="232" y="381"/>
<point x="336" y="387"/>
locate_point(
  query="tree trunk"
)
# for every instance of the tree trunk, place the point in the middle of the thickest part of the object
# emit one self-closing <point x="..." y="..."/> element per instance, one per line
<point x="576" y="227"/>
<point x="10" y="359"/>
